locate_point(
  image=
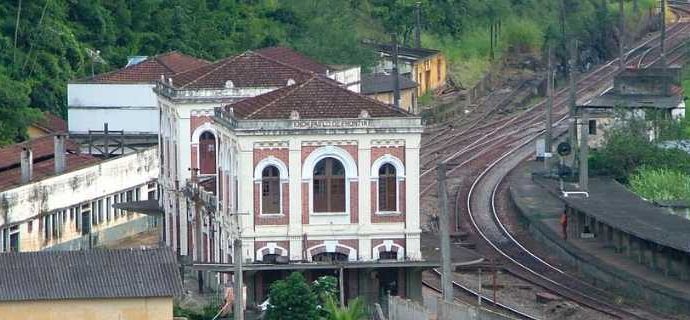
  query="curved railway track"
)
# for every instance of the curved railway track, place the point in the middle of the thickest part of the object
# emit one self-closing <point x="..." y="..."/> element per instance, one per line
<point x="490" y="147"/>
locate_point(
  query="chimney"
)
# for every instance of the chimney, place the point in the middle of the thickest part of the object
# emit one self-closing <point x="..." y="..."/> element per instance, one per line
<point x="26" y="163"/>
<point x="59" y="157"/>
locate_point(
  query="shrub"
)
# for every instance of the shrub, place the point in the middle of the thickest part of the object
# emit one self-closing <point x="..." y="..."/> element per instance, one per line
<point x="661" y="184"/>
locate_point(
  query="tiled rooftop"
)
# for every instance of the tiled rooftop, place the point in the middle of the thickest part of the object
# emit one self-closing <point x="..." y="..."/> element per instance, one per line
<point x="51" y="123"/>
<point x="293" y="58"/>
<point x="151" y="69"/>
<point x="89" y="274"/>
<point x="246" y="70"/>
<point x="316" y="98"/>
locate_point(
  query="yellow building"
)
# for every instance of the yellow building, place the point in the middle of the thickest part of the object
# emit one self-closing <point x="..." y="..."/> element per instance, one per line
<point x="381" y="86"/>
<point x="426" y="67"/>
<point x="89" y="285"/>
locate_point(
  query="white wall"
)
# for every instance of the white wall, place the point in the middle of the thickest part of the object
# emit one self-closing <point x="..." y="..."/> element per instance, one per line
<point x="79" y="186"/>
<point x="128" y="107"/>
<point x="351" y="78"/>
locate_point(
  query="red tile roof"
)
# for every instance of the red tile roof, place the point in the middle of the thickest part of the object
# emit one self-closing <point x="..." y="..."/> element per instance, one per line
<point x="293" y="58"/>
<point x="316" y="98"/>
<point x="150" y="70"/>
<point x="40" y="147"/>
<point x="249" y="69"/>
<point x="51" y="123"/>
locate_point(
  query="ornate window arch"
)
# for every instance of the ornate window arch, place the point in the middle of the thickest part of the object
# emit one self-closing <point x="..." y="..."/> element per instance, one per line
<point x="332" y="247"/>
<point x="206" y="137"/>
<point x="388" y="246"/>
<point x="270" y="174"/>
<point x="387" y="171"/>
<point x="348" y="165"/>
<point x="270" y="248"/>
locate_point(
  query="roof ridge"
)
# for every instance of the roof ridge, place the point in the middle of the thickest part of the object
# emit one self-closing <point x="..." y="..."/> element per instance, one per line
<point x="283" y="63"/>
<point x="165" y="54"/>
<point x="221" y="63"/>
<point x="361" y="96"/>
<point x="283" y="96"/>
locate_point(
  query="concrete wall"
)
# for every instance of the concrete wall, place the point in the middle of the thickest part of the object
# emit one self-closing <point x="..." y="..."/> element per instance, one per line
<point x="59" y="200"/>
<point x="128" y="107"/>
<point x="89" y="309"/>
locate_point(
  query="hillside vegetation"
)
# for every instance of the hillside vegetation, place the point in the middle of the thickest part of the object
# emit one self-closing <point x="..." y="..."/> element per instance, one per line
<point x="44" y="43"/>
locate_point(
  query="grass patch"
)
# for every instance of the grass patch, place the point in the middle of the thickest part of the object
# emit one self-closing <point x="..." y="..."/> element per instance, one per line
<point x="661" y="184"/>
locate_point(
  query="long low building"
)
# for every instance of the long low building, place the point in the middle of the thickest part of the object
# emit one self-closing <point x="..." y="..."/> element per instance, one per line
<point x="54" y="197"/>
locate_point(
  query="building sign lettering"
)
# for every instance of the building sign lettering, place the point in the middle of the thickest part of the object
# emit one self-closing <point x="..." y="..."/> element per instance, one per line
<point x="335" y="123"/>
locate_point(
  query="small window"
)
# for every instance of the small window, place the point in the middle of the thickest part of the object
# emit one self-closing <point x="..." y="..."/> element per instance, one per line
<point x="592" y="127"/>
<point x="137" y="194"/>
<point x="94" y="213"/>
<point x="14" y="239"/>
<point x="329" y="186"/>
<point x="100" y="211"/>
<point x="270" y="258"/>
<point x="30" y="226"/>
<point x="387" y="188"/>
<point x="270" y="190"/>
<point x="130" y="195"/>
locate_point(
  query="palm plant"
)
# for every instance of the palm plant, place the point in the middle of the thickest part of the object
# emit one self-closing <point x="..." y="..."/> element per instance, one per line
<point x="354" y="311"/>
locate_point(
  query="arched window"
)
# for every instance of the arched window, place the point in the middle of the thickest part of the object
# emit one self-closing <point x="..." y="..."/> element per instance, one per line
<point x="270" y="190"/>
<point x="329" y="186"/>
<point x="207" y="153"/>
<point x="388" y="190"/>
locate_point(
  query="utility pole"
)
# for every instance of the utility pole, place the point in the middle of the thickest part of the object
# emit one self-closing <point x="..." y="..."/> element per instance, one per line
<point x="396" y="80"/>
<point x="621" y="37"/>
<point x="584" y="150"/>
<point x="447" y="282"/>
<point x="663" y="33"/>
<point x="418" y="25"/>
<point x="549" y="104"/>
<point x="238" y="313"/>
<point x="572" y="99"/>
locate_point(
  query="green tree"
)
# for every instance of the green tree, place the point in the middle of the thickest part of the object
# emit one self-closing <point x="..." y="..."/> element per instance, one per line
<point x="15" y="113"/>
<point x="292" y="299"/>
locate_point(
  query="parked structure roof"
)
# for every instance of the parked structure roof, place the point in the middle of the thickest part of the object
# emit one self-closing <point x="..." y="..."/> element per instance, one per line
<point x="88" y="274"/>
<point x="316" y="98"/>
<point x="293" y="58"/>
<point x="151" y="69"/>
<point x="382" y="82"/>
<point x="246" y="70"/>
<point x="406" y="52"/>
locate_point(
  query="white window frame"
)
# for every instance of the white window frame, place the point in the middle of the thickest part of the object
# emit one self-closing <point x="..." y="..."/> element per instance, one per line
<point x="349" y="164"/>
<point x="258" y="175"/>
<point x="400" y="177"/>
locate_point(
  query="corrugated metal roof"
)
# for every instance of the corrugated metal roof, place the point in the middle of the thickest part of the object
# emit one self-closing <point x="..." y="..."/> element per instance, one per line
<point x="49" y="275"/>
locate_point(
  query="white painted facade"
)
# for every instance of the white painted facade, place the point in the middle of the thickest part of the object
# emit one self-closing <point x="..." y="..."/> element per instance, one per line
<point x="104" y="184"/>
<point x="128" y="107"/>
<point x="185" y="116"/>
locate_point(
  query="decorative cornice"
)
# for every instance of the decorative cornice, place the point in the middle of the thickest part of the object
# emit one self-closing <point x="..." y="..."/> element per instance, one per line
<point x="388" y="143"/>
<point x="270" y="144"/>
<point x="329" y="143"/>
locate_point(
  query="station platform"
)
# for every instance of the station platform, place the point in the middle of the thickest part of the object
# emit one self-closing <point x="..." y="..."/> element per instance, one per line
<point x="631" y="247"/>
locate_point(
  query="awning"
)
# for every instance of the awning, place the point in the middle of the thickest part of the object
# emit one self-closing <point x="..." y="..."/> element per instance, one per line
<point x="149" y="207"/>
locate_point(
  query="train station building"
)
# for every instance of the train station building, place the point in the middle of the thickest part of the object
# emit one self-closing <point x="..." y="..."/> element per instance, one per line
<point x="309" y="174"/>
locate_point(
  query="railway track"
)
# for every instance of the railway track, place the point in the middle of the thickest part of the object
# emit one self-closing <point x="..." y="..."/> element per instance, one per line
<point x="485" y="152"/>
